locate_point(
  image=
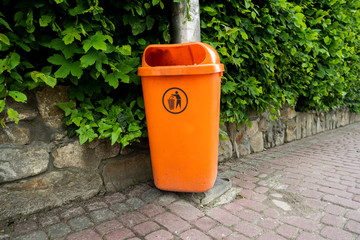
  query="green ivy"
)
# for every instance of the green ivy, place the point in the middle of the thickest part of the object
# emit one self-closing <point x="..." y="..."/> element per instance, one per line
<point x="93" y="46"/>
<point x="304" y="53"/>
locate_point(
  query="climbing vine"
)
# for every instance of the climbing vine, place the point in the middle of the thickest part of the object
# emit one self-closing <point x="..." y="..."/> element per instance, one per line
<point x="304" y="53"/>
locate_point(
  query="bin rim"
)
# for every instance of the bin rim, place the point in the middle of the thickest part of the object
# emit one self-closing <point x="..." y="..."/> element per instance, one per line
<point x="208" y="65"/>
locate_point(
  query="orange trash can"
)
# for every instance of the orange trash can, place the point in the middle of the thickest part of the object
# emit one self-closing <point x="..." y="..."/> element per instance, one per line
<point x="181" y="87"/>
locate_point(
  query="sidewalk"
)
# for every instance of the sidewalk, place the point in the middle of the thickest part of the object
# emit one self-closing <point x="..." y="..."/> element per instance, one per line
<point x="307" y="189"/>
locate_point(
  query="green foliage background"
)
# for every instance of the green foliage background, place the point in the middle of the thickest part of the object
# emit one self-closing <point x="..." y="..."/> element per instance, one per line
<point x="301" y="52"/>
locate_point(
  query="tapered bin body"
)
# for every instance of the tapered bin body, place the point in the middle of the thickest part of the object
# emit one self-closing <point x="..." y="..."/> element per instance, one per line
<point x="181" y="87"/>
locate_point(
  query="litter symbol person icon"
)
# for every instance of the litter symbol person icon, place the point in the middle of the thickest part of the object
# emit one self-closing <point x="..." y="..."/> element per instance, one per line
<point x="173" y="99"/>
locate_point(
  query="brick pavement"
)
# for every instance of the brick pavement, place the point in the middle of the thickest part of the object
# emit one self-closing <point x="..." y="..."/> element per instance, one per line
<point x="304" y="190"/>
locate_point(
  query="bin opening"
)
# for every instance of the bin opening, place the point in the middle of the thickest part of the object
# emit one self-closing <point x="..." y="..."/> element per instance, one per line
<point x="175" y="55"/>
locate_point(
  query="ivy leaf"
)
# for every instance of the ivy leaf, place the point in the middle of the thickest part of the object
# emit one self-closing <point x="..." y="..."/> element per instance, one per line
<point x="97" y="41"/>
<point x="125" y="50"/>
<point x="2" y="105"/>
<point x="113" y="79"/>
<point x="138" y="28"/>
<point x="5" y="24"/>
<point x="13" y="115"/>
<point x="115" y="134"/>
<point x="149" y="22"/>
<point x="75" y="69"/>
<point x="70" y="35"/>
<point x="57" y="59"/>
<point x="86" y="133"/>
<point x="18" y="96"/>
<point x="89" y="58"/>
<point x="45" y="20"/>
<point x="14" y="60"/>
<point x="4" y="39"/>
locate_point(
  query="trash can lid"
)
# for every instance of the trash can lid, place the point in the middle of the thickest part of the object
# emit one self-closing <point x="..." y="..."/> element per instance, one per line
<point x="180" y="59"/>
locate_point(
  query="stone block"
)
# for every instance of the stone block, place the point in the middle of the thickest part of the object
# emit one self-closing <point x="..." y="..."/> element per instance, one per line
<point x="287" y="113"/>
<point x="263" y="124"/>
<point x="104" y="149"/>
<point x="257" y="143"/>
<point x="291" y="131"/>
<point x="225" y="149"/>
<point x="279" y="132"/>
<point x="75" y="155"/>
<point x="122" y="172"/>
<point x="3" y="137"/>
<point x="47" y="98"/>
<point x="17" y="162"/>
<point x="298" y="126"/>
<point x="269" y="135"/>
<point x="49" y="190"/>
<point x="309" y="123"/>
<point x="251" y="131"/>
<point x="242" y="146"/>
<point x="27" y="111"/>
<point x="18" y="134"/>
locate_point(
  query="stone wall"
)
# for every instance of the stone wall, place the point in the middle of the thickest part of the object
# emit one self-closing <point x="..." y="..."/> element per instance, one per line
<point x="41" y="168"/>
<point x="264" y="133"/>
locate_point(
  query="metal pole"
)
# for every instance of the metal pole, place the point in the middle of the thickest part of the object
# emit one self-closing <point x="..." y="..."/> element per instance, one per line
<point x="183" y="29"/>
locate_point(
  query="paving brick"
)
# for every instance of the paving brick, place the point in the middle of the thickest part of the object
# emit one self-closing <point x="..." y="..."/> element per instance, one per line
<point x="120" y="234"/>
<point x="151" y="195"/>
<point x="120" y="208"/>
<point x="49" y="220"/>
<point x="261" y="189"/>
<point x="135" y="203"/>
<point x="151" y="210"/>
<point x="287" y="231"/>
<point x="309" y="236"/>
<point x="95" y="206"/>
<point x="300" y="222"/>
<point x="270" y="212"/>
<point x="332" y="185"/>
<point x="354" y="190"/>
<point x="334" y="209"/>
<point x="356" y="198"/>
<point x="354" y="215"/>
<point x="258" y="197"/>
<point x="193" y="234"/>
<point x="336" y="192"/>
<point x="246" y="193"/>
<point x="167" y="199"/>
<point x="172" y="222"/>
<point x="223" y="216"/>
<point x="220" y="232"/>
<point x="58" y="230"/>
<point x="268" y="223"/>
<point x="311" y="194"/>
<point x="109" y="226"/>
<point x="236" y="236"/>
<point x="233" y="207"/>
<point x="332" y="220"/>
<point x="205" y="223"/>
<point x="80" y="223"/>
<point x="146" y="228"/>
<point x="315" y="203"/>
<point x="132" y="218"/>
<point x="335" y="233"/>
<point x="71" y="213"/>
<point x="248" y="229"/>
<point x="348" y="183"/>
<point x="249" y="215"/>
<point x="35" y="235"/>
<point x="102" y="215"/>
<point x="352" y="226"/>
<point x="160" y="235"/>
<point x="87" y="234"/>
<point x="185" y="210"/>
<point x="248" y="178"/>
<point x="113" y="198"/>
<point x="270" y="236"/>
<point x="25" y="227"/>
<point x="256" y="206"/>
<point x="243" y="184"/>
<point x="342" y="201"/>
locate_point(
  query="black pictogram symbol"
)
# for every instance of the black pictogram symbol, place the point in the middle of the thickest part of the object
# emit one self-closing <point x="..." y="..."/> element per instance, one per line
<point x="175" y="100"/>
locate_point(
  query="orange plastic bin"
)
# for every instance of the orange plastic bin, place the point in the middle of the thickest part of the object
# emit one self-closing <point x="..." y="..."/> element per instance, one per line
<point x="181" y="87"/>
